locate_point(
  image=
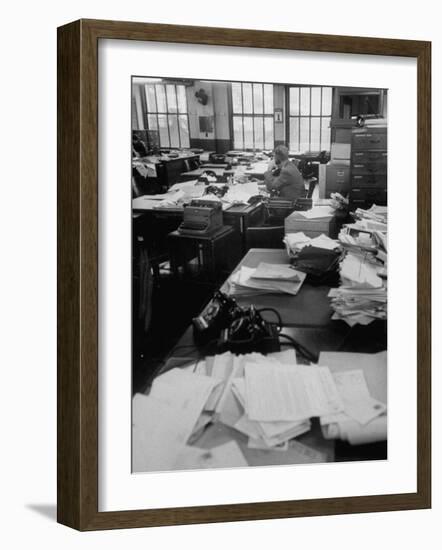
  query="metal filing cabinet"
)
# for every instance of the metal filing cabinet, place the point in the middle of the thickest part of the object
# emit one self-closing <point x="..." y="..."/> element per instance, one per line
<point x="368" y="178"/>
<point x="337" y="179"/>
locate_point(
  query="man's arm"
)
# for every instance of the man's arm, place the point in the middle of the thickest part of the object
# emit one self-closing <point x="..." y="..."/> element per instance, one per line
<point x="286" y="177"/>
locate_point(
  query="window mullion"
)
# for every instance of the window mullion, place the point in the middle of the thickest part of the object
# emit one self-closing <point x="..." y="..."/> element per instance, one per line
<point x="242" y="118"/>
<point x="320" y="121"/>
<point x="253" y="119"/>
<point x="167" y="114"/>
<point x="177" y="115"/>
<point x="156" y="114"/>
<point x="310" y="121"/>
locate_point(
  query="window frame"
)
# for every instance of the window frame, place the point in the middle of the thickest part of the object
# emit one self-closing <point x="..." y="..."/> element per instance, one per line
<point x="321" y="116"/>
<point x="167" y="113"/>
<point x="252" y="115"/>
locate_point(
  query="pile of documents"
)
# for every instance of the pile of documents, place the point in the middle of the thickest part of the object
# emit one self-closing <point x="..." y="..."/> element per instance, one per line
<point x="295" y="242"/>
<point x="357" y="239"/>
<point x="375" y="218"/>
<point x="244" y="400"/>
<point x="368" y="233"/>
<point x="241" y="193"/>
<point x="362" y="295"/>
<point x="145" y="168"/>
<point x="268" y="399"/>
<point x="317" y="212"/>
<point x="266" y="278"/>
<point x="361" y="380"/>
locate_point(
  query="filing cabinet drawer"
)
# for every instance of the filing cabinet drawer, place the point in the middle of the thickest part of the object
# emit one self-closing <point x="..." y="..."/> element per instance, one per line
<point x="362" y="157"/>
<point x="369" y="180"/>
<point x="375" y="138"/>
<point x="369" y="168"/>
<point x="366" y="194"/>
<point x="337" y="174"/>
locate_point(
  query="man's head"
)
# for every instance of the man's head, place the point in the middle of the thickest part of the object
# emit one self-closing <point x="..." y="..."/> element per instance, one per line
<point x="281" y="154"/>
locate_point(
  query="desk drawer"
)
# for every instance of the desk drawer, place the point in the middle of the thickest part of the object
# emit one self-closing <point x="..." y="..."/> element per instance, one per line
<point x="369" y="180"/>
<point x="375" y="138"/>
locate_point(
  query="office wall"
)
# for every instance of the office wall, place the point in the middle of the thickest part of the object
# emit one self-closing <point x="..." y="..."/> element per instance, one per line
<point x="217" y="107"/>
<point x="279" y="103"/>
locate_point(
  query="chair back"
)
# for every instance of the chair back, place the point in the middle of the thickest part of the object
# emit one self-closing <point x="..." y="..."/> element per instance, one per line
<point x="265" y="237"/>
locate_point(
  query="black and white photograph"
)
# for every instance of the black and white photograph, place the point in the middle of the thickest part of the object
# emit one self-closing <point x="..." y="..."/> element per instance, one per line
<point x="259" y="274"/>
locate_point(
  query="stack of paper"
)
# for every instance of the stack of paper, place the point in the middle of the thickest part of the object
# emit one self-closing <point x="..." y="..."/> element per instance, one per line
<point x="373" y="219"/>
<point x="316" y="212"/>
<point x="241" y="193"/>
<point x="265" y="279"/>
<point x="145" y="168"/>
<point x="266" y="435"/>
<point x="362" y="295"/>
<point x="295" y="242"/>
<point x="191" y="189"/>
<point x="361" y="380"/>
<point x="278" y="400"/>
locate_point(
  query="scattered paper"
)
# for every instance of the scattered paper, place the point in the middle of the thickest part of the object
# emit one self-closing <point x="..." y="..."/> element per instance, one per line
<point x="358" y="403"/>
<point x="289" y="393"/>
<point x="346" y="369"/>
<point x="165" y="419"/>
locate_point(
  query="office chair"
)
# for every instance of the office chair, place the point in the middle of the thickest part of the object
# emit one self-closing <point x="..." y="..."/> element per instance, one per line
<point x="265" y="237"/>
<point x="311" y="187"/>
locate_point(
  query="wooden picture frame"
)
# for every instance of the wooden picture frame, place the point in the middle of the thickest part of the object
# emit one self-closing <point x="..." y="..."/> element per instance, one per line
<point x="78" y="273"/>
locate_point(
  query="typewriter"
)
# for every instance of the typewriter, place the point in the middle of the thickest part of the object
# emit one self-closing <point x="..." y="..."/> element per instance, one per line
<point x="201" y="217"/>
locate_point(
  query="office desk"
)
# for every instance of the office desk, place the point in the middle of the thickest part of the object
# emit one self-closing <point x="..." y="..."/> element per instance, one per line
<point x="213" y="252"/>
<point x="257" y="170"/>
<point x="169" y="168"/>
<point x="239" y="216"/>
<point x="325" y="335"/>
<point x="309" y="308"/>
<point x="195" y="174"/>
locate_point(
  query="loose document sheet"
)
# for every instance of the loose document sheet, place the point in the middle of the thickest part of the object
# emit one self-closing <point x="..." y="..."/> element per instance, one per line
<point x="280" y="392"/>
<point x="164" y="420"/>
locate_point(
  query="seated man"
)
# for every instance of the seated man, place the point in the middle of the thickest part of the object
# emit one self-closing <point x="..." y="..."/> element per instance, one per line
<point x="284" y="179"/>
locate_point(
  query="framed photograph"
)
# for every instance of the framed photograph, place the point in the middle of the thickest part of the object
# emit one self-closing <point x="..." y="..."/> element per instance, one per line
<point x="243" y="274"/>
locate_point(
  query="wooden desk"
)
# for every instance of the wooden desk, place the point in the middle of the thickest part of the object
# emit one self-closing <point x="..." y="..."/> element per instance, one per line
<point x="328" y="335"/>
<point x="169" y="169"/>
<point x="213" y="252"/>
<point x="309" y="308"/>
<point x="195" y="174"/>
<point x="240" y="217"/>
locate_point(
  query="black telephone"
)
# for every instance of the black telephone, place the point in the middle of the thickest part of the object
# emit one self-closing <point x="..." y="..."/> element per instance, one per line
<point x="217" y="315"/>
<point x="208" y="174"/>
